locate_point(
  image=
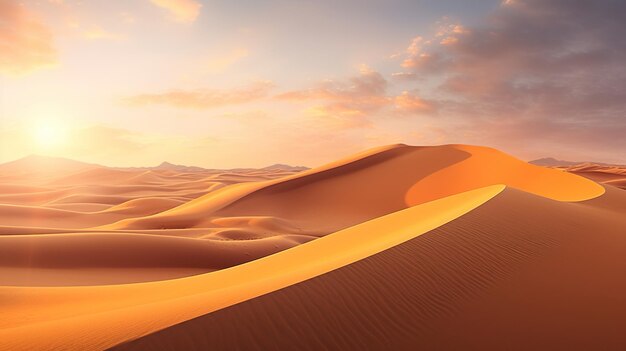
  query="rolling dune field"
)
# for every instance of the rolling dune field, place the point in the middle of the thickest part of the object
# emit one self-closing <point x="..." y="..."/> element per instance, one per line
<point x="399" y="247"/>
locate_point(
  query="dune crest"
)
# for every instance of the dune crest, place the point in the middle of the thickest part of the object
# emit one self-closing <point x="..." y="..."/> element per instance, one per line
<point x="488" y="166"/>
<point x="369" y="185"/>
<point x="520" y="272"/>
<point x="121" y="254"/>
<point x="54" y="313"/>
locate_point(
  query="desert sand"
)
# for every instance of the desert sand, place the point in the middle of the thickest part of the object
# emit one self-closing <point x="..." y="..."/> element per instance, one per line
<point x="612" y="175"/>
<point x="444" y="247"/>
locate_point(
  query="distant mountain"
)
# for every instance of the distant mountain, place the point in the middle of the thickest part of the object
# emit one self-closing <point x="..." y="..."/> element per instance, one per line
<point x="49" y="164"/>
<point x="552" y="162"/>
<point x="38" y="164"/>
<point x="179" y="168"/>
<point x="284" y="167"/>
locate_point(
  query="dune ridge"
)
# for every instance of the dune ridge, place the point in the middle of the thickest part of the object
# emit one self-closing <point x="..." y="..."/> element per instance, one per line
<point x="410" y="176"/>
<point x="520" y="272"/>
<point x="611" y="175"/>
<point x="92" y="257"/>
<point x="119" y="312"/>
<point x="258" y="217"/>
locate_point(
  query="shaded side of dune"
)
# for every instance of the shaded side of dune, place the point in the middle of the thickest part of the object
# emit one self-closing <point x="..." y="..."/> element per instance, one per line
<point x="520" y="272"/>
<point x="615" y="176"/>
<point x="117" y="258"/>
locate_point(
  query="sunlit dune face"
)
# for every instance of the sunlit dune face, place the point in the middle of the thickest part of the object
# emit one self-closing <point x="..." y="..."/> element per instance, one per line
<point x="49" y="134"/>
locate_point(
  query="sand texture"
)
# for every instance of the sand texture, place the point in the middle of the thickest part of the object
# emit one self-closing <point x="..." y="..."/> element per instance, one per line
<point x="399" y="247"/>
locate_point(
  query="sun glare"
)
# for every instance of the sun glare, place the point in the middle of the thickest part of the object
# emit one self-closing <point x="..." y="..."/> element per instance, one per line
<point x="49" y="134"/>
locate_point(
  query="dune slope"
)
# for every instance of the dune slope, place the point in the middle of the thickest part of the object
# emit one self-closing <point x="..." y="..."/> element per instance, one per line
<point x="122" y="255"/>
<point x="92" y="318"/>
<point x="520" y="272"/>
<point x="260" y="215"/>
<point x="370" y="185"/>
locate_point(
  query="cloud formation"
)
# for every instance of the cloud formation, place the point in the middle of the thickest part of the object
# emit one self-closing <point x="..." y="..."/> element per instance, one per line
<point x="550" y="71"/>
<point x="186" y="11"/>
<point x="26" y="44"/>
<point x="95" y="32"/>
<point x="203" y="98"/>
<point x="407" y="103"/>
<point x="219" y="64"/>
<point x="353" y="102"/>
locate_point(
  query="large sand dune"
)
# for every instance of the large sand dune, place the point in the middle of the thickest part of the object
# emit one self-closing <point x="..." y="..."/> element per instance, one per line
<point x="370" y="185"/>
<point x="520" y="272"/>
<point x="398" y="245"/>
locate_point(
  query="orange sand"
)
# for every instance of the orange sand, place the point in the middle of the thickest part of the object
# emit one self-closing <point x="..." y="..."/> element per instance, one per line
<point x="520" y="272"/>
<point x="92" y="257"/>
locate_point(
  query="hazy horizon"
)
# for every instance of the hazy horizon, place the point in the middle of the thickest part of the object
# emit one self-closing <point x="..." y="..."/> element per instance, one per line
<point x="158" y="163"/>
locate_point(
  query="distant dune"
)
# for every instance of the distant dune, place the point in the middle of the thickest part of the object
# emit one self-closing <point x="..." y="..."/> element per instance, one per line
<point x="553" y="162"/>
<point x="611" y="175"/>
<point x="370" y="185"/>
<point x="614" y="175"/>
<point x="399" y="247"/>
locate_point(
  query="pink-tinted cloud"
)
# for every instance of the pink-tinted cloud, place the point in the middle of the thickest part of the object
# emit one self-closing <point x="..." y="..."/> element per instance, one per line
<point x="404" y="76"/>
<point x="185" y="11"/>
<point x="26" y="43"/>
<point x="407" y="103"/>
<point x="357" y="100"/>
<point x="202" y="98"/>
<point x="95" y="32"/>
<point x="367" y="88"/>
<point x="339" y="116"/>
<point x="219" y="64"/>
<point x="548" y="72"/>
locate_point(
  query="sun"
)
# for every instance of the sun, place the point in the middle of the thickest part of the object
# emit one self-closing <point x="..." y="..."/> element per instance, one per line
<point x="49" y="134"/>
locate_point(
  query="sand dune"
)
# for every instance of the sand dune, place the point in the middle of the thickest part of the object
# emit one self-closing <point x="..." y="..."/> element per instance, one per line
<point x="612" y="175"/>
<point x="147" y="204"/>
<point x="520" y="272"/>
<point x="161" y="257"/>
<point x="59" y="193"/>
<point x="398" y="246"/>
<point x="120" y="312"/>
<point x="370" y="185"/>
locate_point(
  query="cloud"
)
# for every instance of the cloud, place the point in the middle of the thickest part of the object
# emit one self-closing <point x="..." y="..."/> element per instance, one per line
<point x="98" y="33"/>
<point x="406" y="103"/>
<point x="339" y="116"/>
<point x="26" y="44"/>
<point x="127" y="17"/>
<point x="404" y="76"/>
<point x="203" y="98"/>
<point x="345" y="103"/>
<point x="82" y="22"/>
<point x="546" y="71"/>
<point x="353" y="102"/>
<point x="186" y="11"/>
<point x="368" y="87"/>
<point x="221" y="63"/>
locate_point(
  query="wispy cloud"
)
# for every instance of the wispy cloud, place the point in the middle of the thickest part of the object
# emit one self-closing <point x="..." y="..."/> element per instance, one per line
<point x="218" y="64"/>
<point x="98" y="33"/>
<point x="407" y="103"/>
<point x="203" y="98"/>
<point x="353" y="102"/>
<point x="26" y="43"/>
<point x="186" y="11"/>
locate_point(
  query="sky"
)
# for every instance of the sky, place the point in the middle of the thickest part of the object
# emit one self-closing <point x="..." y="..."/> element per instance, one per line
<point x="224" y="84"/>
